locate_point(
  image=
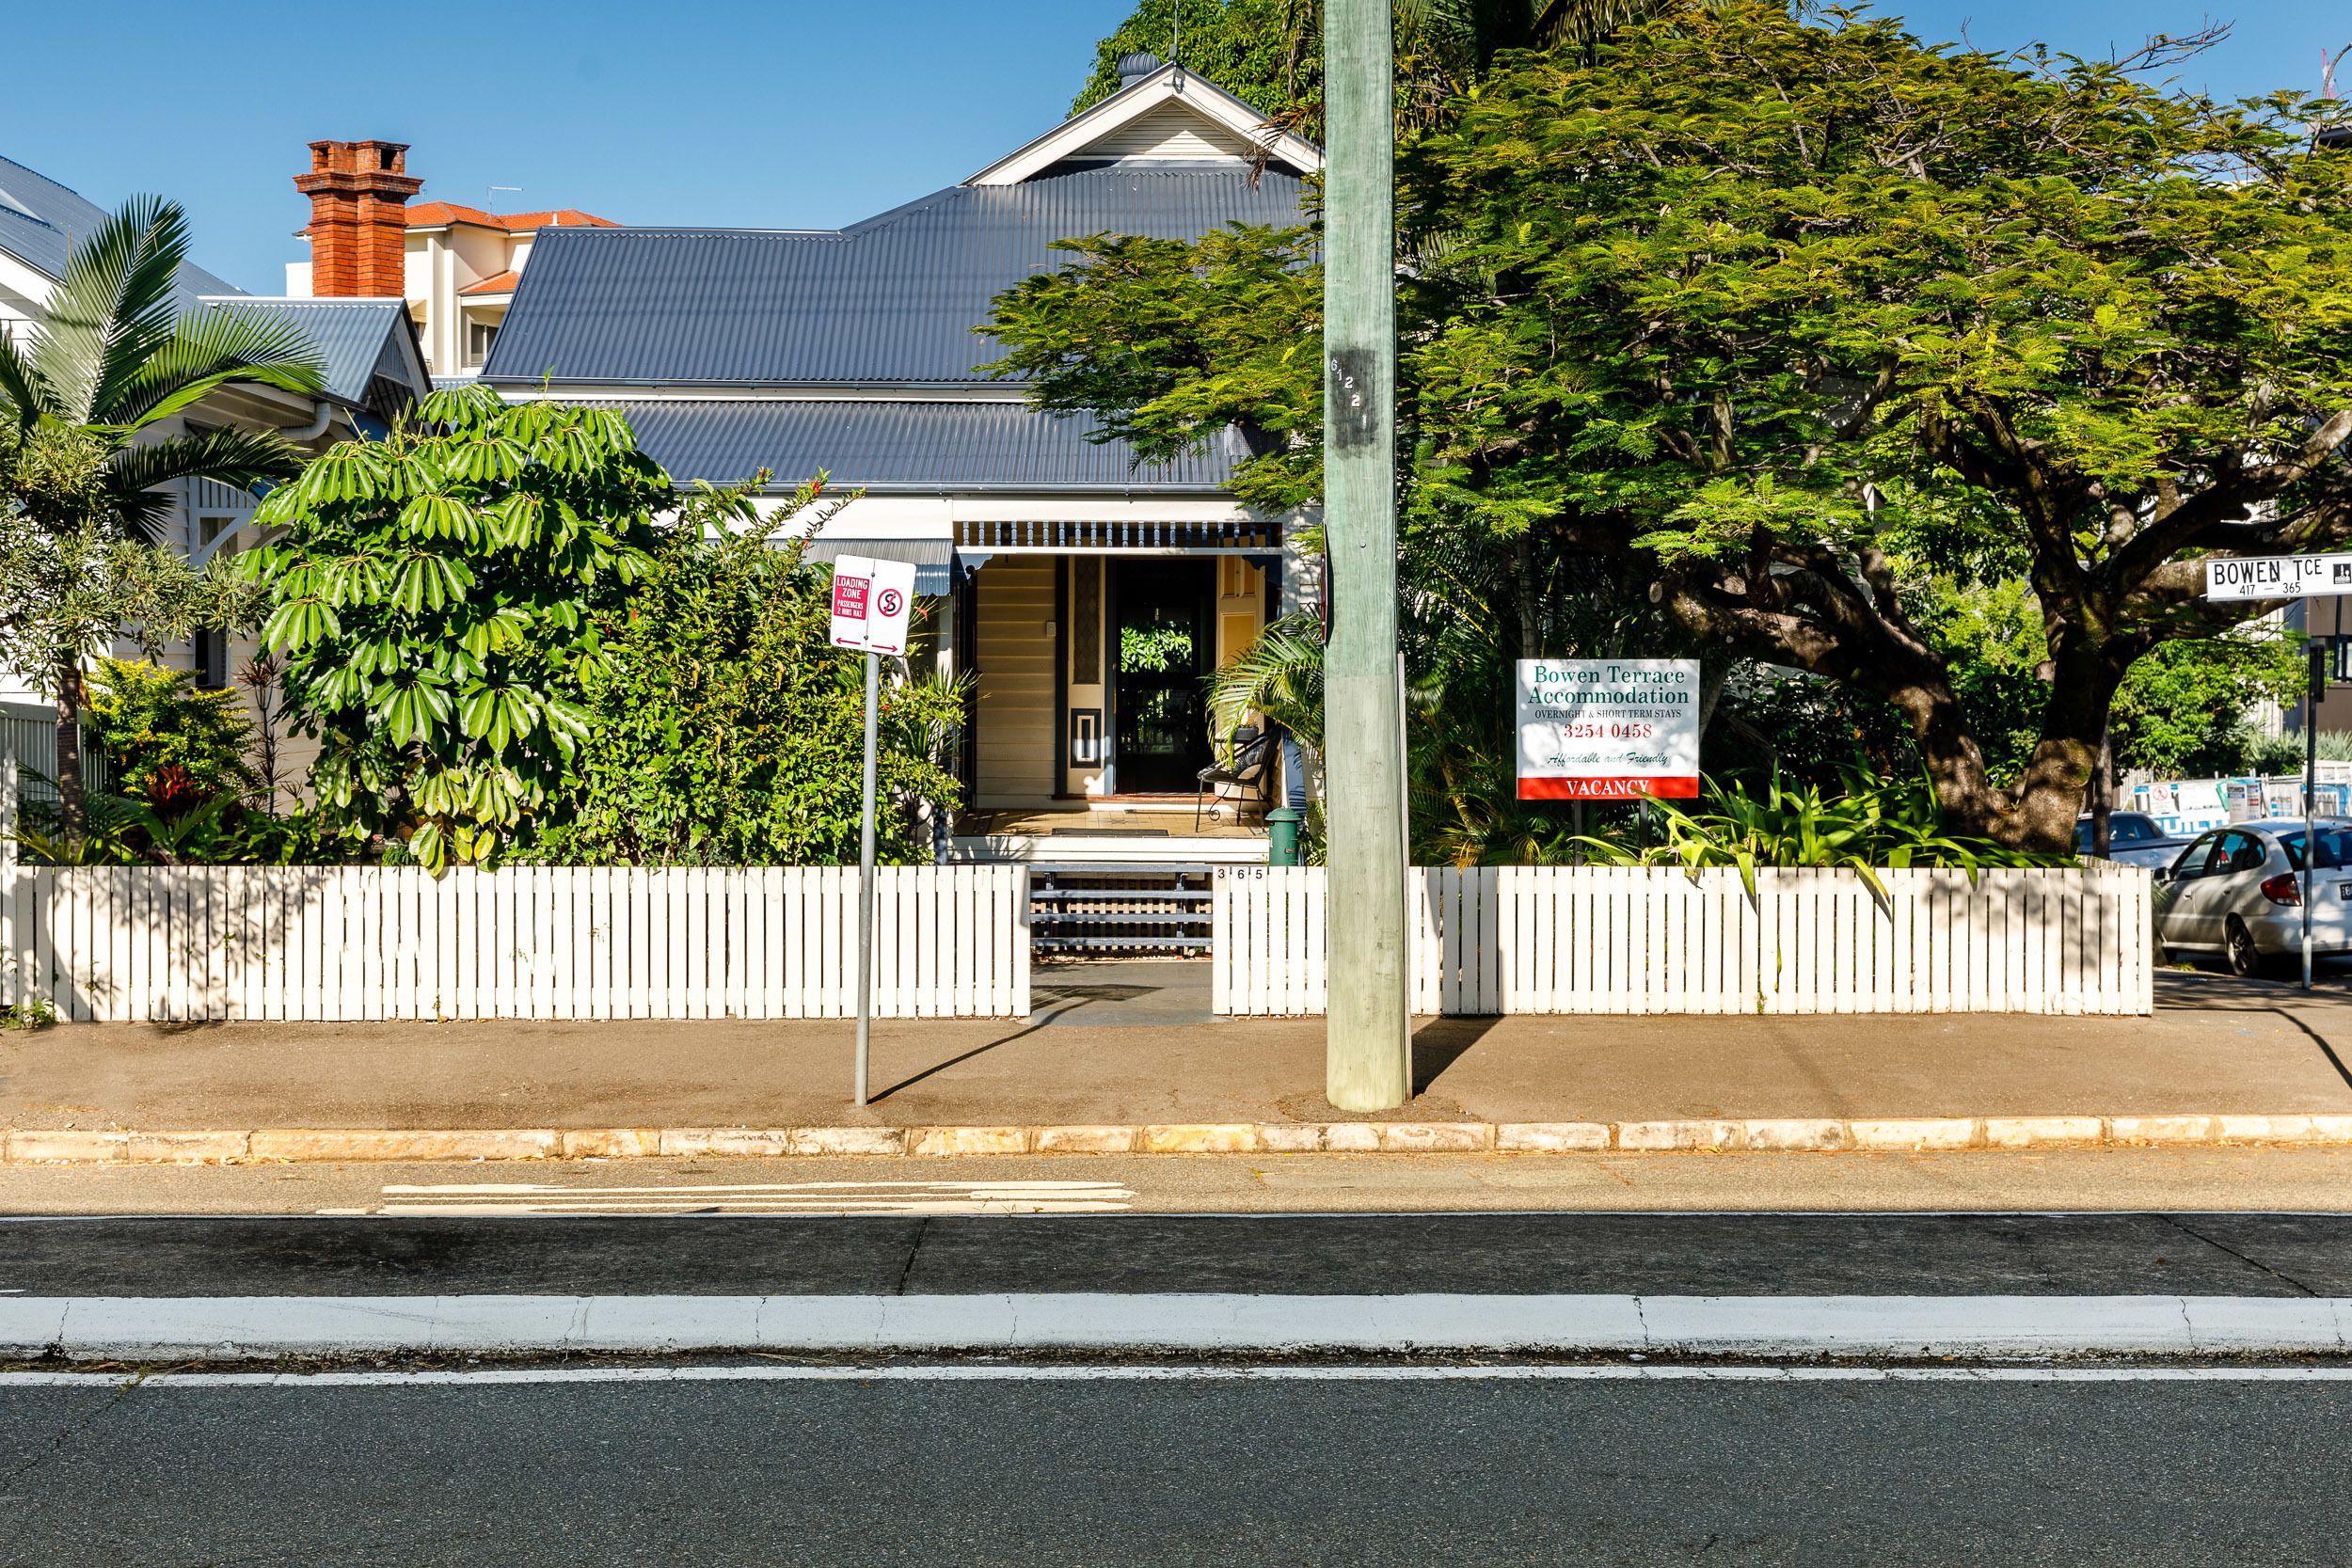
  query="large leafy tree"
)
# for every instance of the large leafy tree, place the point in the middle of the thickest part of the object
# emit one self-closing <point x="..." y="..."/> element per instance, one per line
<point x="1788" y="319"/>
<point x="1269" y="53"/>
<point x="1821" y="307"/>
<point x="439" y="599"/>
<point x="84" y="468"/>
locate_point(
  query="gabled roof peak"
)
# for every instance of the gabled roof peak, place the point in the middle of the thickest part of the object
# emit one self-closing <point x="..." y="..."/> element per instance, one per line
<point x="1169" y="114"/>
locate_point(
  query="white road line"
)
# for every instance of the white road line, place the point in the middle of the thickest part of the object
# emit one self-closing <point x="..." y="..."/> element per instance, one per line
<point x="1120" y="1373"/>
<point x="1856" y="1328"/>
<point x="513" y="1199"/>
<point x="743" y="1206"/>
<point x="504" y="1188"/>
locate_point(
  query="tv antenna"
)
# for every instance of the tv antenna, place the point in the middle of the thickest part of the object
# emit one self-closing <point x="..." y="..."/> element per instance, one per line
<point x="2328" y="64"/>
<point x="490" y="194"/>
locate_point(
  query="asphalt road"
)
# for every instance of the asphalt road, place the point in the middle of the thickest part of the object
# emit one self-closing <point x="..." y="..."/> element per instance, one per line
<point x="2182" y="1179"/>
<point x="1703" y="1255"/>
<point x="1354" y="1471"/>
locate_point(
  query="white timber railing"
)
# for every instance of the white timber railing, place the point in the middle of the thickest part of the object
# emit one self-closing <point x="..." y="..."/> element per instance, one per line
<point x="149" y="944"/>
<point x="1639" y="939"/>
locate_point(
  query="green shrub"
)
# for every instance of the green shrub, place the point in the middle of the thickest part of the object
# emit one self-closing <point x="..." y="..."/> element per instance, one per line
<point x="1870" y="825"/>
<point x="119" y="830"/>
<point x="34" y="1012"/>
<point x="722" y="727"/>
<point x="2284" y="753"/>
<point x="171" y="745"/>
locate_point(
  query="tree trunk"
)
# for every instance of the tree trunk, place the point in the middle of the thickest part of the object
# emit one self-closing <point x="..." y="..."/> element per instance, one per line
<point x="1954" y="762"/>
<point x="1714" y="673"/>
<point x="1530" y="613"/>
<point x="2102" y="796"/>
<point x="2039" y="813"/>
<point x="2048" y="799"/>
<point x="72" y="808"/>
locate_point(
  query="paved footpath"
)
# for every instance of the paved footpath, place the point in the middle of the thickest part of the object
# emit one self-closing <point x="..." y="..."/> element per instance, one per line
<point x="1095" y="1071"/>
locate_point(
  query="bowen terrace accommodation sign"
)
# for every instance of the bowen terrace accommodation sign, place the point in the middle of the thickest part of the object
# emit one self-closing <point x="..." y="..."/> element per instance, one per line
<point x="1609" y="729"/>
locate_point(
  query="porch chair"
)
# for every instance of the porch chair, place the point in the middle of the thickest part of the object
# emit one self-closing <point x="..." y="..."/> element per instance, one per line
<point x="1249" y="767"/>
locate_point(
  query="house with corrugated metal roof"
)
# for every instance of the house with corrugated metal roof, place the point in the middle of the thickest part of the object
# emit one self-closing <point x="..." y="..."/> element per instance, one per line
<point x="1090" y="595"/>
<point x="375" y="371"/>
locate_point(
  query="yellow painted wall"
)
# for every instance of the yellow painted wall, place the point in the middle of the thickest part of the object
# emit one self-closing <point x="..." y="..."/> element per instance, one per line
<point x="1017" y="748"/>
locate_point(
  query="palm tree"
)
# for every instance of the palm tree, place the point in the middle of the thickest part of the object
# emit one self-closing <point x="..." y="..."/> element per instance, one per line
<point x="114" y="358"/>
<point x="1280" y="675"/>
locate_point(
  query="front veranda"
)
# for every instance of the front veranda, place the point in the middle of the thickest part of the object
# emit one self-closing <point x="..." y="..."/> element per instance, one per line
<point x="1092" y="647"/>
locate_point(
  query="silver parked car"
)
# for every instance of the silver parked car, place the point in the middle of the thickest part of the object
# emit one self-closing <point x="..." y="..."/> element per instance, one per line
<point x="2134" y="838"/>
<point x="2238" y="892"/>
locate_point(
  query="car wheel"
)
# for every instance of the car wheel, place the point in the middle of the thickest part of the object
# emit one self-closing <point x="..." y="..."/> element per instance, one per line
<point x="2246" y="959"/>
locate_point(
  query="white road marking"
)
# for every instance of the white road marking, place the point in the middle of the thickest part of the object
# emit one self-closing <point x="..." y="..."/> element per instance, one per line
<point x="1120" y="1372"/>
<point x="510" y="1199"/>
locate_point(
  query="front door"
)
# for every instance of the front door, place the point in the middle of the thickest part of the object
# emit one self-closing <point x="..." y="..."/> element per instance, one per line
<point x="1164" y="641"/>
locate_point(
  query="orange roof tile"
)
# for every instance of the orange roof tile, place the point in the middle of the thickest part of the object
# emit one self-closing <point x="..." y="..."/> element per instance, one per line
<point x="496" y="284"/>
<point x="429" y="215"/>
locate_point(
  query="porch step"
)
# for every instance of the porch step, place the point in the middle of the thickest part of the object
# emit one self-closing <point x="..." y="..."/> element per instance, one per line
<point x="1119" y="907"/>
<point x="1075" y="848"/>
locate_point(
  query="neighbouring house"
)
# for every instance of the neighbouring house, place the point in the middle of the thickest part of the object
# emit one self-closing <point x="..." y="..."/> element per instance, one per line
<point x="2328" y="621"/>
<point x="456" y="266"/>
<point x="1091" y="596"/>
<point x="375" y="372"/>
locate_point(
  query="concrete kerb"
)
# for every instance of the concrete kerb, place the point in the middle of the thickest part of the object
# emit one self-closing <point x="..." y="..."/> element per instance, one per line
<point x="1722" y="1136"/>
<point x="1990" y="1328"/>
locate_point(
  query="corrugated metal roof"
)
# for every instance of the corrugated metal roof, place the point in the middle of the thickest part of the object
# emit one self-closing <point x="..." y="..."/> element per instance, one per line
<point x="359" y="340"/>
<point x="903" y="445"/>
<point x="40" y="220"/>
<point x="891" y="299"/>
<point x="934" y="559"/>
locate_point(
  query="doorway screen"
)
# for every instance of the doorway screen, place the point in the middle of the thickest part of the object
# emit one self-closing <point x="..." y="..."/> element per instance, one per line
<point x="1165" y="648"/>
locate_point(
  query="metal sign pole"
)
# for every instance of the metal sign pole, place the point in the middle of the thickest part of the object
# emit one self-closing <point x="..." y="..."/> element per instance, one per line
<point x="866" y="884"/>
<point x="2315" y="683"/>
<point x="872" y="602"/>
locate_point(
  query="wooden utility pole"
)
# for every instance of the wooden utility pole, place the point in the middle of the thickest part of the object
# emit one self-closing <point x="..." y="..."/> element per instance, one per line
<point x="1368" y="1050"/>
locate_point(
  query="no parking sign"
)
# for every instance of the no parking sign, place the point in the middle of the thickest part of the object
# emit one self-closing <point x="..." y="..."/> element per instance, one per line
<point x="872" y="602"/>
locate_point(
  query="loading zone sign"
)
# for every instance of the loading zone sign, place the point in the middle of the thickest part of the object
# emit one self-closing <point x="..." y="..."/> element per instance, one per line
<point x="2277" y="577"/>
<point x="1609" y="729"/>
<point x="872" y="601"/>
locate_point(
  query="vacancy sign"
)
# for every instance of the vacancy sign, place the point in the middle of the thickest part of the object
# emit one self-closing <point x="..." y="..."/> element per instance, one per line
<point x="2277" y="577"/>
<point x="1609" y="729"/>
<point x="872" y="601"/>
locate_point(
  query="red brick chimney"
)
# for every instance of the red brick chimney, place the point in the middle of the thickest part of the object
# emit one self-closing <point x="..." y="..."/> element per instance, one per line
<point x="359" y="214"/>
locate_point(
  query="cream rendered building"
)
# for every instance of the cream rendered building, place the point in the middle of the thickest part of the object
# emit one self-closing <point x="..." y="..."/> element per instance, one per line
<point x="457" y="265"/>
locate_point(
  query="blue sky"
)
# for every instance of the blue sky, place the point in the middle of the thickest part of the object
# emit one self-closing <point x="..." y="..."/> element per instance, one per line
<point x="779" y="113"/>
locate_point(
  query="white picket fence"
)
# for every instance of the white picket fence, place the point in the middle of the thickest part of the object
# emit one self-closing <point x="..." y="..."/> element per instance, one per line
<point x="310" y="943"/>
<point x="1633" y="939"/>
